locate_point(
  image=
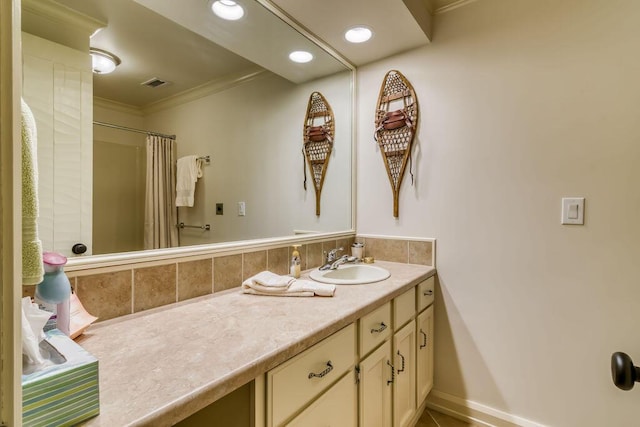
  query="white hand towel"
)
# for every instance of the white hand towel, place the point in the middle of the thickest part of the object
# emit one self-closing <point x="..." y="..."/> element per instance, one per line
<point x="269" y="279"/>
<point x="272" y="285"/>
<point x="188" y="170"/>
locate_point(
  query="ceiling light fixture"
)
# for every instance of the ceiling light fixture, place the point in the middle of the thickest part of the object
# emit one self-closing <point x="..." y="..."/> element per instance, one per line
<point x="227" y="9"/>
<point x="103" y="62"/>
<point x="300" y="56"/>
<point x="358" y="34"/>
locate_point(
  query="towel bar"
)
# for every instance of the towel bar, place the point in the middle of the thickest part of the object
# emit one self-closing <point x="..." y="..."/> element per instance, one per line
<point x="206" y="227"/>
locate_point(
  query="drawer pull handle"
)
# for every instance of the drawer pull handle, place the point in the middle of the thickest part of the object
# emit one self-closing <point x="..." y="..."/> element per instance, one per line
<point x="424" y="340"/>
<point x="428" y="292"/>
<point x="323" y="373"/>
<point x="401" y="369"/>
<point x="380" y="329"/>
<point x="393" y="373"/>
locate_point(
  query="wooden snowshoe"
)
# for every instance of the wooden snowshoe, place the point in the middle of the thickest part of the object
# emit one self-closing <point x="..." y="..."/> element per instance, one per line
<point x="396" y="124"/>
<point x="318" y="133"/>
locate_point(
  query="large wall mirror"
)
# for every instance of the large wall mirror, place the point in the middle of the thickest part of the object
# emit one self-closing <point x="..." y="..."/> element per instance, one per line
<point x="227" y="91"/>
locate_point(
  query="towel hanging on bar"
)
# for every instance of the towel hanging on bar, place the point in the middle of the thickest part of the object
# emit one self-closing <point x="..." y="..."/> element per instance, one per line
<point x="189" y="169"/>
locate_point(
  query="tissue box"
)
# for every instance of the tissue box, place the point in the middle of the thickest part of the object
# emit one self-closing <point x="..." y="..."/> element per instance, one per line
<point x="63" y="394"/>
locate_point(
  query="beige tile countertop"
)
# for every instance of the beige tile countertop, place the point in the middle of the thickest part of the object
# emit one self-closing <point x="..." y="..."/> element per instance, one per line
<point x="160" y="366"/>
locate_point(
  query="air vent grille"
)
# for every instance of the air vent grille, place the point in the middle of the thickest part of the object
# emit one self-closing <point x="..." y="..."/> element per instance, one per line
<point x="154" y="82"/>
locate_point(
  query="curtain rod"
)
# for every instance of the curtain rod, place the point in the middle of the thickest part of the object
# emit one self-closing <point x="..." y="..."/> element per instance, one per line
<point x="146" y="132"/>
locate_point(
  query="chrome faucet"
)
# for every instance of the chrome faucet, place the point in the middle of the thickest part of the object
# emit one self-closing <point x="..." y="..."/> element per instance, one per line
<point x="342" y="260"/>
<point x="330" y="258"/>
<point x="333" y="263"/>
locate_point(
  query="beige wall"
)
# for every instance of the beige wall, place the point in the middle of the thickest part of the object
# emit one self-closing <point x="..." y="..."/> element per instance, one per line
<point x="522" y="103"/>
<point x="253" y="133"/>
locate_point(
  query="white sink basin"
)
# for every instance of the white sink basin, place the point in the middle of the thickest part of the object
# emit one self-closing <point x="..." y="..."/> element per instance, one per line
<point x="351" y="274"/>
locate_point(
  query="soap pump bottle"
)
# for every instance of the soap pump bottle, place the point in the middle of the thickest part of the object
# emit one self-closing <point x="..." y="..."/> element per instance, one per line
<point x="294" y="271"/>
<point x="53" y="293"/>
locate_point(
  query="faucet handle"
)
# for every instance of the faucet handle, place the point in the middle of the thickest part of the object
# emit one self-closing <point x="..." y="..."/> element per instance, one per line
<point x="333" y="253"/>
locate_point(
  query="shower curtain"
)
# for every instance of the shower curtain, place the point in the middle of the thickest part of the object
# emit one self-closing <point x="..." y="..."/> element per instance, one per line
<point x="160" y="213"/>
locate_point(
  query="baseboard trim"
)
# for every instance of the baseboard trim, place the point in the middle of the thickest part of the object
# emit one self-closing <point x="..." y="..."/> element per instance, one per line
<point x="470" y="411"/>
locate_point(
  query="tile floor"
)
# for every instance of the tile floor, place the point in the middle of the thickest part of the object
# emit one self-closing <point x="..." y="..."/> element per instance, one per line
<point x="431" y="418"/>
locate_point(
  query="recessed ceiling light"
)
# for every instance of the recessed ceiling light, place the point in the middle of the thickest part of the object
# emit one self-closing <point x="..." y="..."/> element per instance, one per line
<point x="300" y="56"/>
<point x="227" y="9"/>
<point x="103" y="62"/>
<point x="358" y="34"/>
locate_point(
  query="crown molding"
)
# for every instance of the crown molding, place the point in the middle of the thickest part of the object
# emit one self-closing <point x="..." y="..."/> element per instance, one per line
<point x="117" y="106"/>
<point x="454" y="5"/>
<point x="62" y="15"/>
<point x="215" y="86"/>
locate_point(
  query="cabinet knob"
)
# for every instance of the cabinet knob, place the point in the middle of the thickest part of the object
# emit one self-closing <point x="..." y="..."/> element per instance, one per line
<point x="323" y="373"/>
<point x="380" y="329"/>
<point x="424" y="339"/>
<point x="402" y="357"/>
<point x="393" y="373"/>
<point x="623" y="373"/>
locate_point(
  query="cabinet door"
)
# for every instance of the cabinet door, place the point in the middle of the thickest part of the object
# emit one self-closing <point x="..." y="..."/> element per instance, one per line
<point x="376" y="379"/>
<point x="404" y="386"/>
<point x="424" y="362"/>
<point x="337" y="407"/>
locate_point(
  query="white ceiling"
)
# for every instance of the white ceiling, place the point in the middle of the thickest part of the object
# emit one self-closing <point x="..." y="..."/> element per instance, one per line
<point x="394" y="26"/>
<point x="172" y="40"/>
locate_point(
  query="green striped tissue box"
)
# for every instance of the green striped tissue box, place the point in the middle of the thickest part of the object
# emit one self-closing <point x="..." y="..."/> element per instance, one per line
<point x="65" y="393"/>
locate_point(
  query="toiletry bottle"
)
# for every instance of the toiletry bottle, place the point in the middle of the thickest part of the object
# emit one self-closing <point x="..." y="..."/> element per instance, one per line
<point x="294" y="271"/>
<point x="357" y="250"/>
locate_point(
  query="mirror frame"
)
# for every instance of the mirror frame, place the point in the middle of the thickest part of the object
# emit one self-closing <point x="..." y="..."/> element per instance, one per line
<point x="118" y="259"/>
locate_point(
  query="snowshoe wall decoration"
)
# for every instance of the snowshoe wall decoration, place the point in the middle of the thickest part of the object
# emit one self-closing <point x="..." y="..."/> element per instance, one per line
<point x="396" y="124"/>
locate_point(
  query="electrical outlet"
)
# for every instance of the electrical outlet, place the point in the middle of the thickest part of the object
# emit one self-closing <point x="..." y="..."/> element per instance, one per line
<point x="241" y="209"/>
<point x="219" y="209"/>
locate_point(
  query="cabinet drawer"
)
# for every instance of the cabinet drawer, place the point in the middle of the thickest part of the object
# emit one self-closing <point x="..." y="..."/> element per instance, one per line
<point x="404" y="308"/>
<point x="425" y="293"/>
<point x="337" y="407"/>
<point x="375" y="327"/>
<point x="293" y="384"/>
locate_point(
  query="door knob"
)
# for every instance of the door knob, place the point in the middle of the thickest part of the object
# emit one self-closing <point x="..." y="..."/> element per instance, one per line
<point x="79" y="249"/>
<point x="623" y="371"/>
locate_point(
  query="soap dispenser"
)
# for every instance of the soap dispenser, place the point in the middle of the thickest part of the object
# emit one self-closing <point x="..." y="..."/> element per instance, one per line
<point x="294" y="271"/>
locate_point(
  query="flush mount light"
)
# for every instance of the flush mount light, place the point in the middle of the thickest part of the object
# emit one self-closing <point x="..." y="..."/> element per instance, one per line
<point x="358" y="34"/>
<point x="103" y="62"/>
<point x="227" y="9"/>
<point x="300" y="56"/>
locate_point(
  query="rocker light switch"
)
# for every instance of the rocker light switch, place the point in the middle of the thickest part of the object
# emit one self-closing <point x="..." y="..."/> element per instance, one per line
<point x="573" y="210"/>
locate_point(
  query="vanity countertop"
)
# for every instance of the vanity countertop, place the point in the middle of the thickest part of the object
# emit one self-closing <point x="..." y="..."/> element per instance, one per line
<point x="162" y="365"/>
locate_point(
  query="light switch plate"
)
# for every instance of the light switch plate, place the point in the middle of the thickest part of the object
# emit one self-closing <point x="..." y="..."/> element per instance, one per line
<point x="573" y="210"/>
<point x="241" y="209"/>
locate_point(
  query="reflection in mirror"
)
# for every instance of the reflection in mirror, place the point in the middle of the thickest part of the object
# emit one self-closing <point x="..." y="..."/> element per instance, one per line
<point x="225" y="89"/>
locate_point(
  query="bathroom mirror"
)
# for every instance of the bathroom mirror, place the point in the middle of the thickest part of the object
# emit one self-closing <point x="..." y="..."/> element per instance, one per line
<point x="230" y="93"/>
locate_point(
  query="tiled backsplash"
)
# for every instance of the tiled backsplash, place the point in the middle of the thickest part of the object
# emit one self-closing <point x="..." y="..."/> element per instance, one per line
<point x="139" y="287"/>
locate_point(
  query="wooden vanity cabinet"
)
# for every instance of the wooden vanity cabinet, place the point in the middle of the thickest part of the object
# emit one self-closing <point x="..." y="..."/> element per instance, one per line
<point x="377" y="377"/>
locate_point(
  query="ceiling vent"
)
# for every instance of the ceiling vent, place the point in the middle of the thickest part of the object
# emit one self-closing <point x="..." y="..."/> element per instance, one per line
<point x="154" y="82"/>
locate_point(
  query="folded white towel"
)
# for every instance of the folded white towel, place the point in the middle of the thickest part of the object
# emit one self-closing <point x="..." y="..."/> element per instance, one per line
<point x="188" y="170"/>
<point x="269" y="279"/>
<point x="267" y="283"/>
